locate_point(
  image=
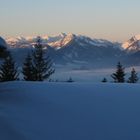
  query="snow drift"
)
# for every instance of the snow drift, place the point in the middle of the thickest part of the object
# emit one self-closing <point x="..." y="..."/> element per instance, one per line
<point x="65" y="111"/>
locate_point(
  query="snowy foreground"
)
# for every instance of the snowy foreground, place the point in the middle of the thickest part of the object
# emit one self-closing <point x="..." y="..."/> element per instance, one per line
<point x="69" y="111"/>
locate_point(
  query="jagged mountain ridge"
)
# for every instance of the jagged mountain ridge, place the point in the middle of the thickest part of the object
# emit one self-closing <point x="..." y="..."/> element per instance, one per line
<point x="78" y="49"/>
<point x="58" y="41"/>
<point x="70" y="48"/>
<point x="132" y="45"/>
<point x="132" y="50"/>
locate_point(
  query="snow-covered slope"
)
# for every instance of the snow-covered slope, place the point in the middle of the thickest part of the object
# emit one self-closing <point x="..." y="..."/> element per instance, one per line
<point x="59" y="41"/>
<point x="25" y="42"/>
<point x="81" y="50"/>
<point x="63" y="111"/>
<point x="132" y="50"/>
<point x="132" y="45"/>
<point x="64" y="40"/>
<point x="71" y="48"/>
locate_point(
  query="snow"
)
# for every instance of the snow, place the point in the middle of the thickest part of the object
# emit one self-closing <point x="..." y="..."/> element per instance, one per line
<point x="137" y="37"/>
<point x="125" y="45"/>
<point x="46" y="39"/>
<point x="69" y="111"/>
<point x="82" y="73"/>
<point x="65" y="39"/>
<point x="62" y="39"/>
<point x="59" y="41"/>
<point x="132" y="44"/>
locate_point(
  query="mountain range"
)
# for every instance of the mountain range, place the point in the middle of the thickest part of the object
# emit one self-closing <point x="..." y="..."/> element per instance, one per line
<point x="79" y="50"/>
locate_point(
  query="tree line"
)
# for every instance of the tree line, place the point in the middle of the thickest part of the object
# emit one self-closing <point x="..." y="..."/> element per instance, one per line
<point x="119" y="75"/>
<point x="36" y="66"/>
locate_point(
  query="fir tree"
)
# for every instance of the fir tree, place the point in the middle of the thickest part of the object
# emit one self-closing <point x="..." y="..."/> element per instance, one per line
<point x="104" y="80"/>
<point x="119" y="75"/>
<point x="42" y="67"/>
<point x="133" y="78"/>
<point x="27" y="69"/>
<point x="70" y="80"/>
<point x="8" y="70"/>
<point x="3" y="52"/>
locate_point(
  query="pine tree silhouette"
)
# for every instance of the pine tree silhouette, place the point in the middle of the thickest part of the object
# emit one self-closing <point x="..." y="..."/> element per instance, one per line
<point x="134" y="77"/>
<point x="104" y="80"/>
<point x="3" y="52"/>
<point x="70" y="80"/>
<point x="42" y="67"/>
<point x="27" y="69"/>
<point x="8" y="70"/>
<point x="119" y="75"/>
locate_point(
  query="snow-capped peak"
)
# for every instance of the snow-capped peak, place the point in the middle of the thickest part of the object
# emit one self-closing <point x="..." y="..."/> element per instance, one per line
<point x="63" y="41"/>
<point x="137" y="37"/>
<point x="59" y="41"/>
<point x="133" y="44"/>
<point x="63" y="34"/>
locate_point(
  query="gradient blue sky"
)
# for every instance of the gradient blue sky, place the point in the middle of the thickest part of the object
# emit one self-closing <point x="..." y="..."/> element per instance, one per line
<point x="116" y="20"/>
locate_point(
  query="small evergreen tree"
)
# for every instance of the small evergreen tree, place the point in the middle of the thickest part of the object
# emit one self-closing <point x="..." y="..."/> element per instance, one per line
<point x="8" y="70"/>
<point x="134" y="77"/>
<point x="119" y="75"/>
<point x="70" y="80"/>
<point x="104" y="80"/>
<point x="3" y="52"/>
<point x="42" y="67"/>
<point x="27" y="69"/>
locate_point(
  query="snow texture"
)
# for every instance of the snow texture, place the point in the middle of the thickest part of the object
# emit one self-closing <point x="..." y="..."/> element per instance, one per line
<point x="69" y="111"/>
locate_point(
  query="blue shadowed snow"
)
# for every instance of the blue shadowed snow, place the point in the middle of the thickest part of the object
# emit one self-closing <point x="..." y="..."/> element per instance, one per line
<point x="65" y="111"/>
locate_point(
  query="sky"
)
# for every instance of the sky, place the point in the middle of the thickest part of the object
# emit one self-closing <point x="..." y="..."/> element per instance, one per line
<point x="115" y="20"/>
